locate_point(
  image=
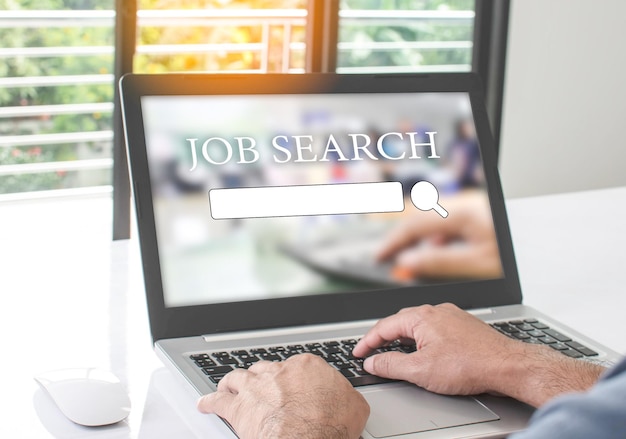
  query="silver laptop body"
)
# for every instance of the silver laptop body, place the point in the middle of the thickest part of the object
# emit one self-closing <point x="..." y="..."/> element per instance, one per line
<point x="246" y="248"/>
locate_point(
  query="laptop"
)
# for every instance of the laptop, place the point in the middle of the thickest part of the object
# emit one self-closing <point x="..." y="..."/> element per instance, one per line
<point x="264" y="204"/>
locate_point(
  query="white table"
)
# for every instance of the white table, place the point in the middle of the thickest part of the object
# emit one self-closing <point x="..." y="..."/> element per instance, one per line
<point x="70" y="300"/>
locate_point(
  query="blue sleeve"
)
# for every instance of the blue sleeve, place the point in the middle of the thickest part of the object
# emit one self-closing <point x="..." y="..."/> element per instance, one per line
<point x="599" y="413"/>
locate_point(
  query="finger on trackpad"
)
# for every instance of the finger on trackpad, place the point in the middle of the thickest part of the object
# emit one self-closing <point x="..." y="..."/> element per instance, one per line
<point x="403" y="409"/>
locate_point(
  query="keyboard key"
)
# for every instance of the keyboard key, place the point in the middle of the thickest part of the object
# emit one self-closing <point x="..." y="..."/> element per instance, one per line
<point x="531" y="320"/>
<point x="205" y="362"/>
<point x="539" y="325"/>
<point x="559" y="347"/>
<point x="521" y="335"/>
<point x="582" y="349"/>
<point x="536" y="333"/>
<point x="508" y="329"/>
<point x="557" y="335"/>
<point x="575" y="345"/>
<point x="348" y="355"/>
<point x="516" y="322"/>
<point x="407" y="348"/>
<point x="217" y="370"/>
<point x="227" y="360"/>
<point x="367" y="380"/>
<point x="239" y="353"/>
<point x="532" y="341"/>
<point x="269" y="356"/>
<point x="342" y="365"/>
<point x="546" y="340"/>
<point x="358" y="361"/>
<point x="572" y="353"/>
<point x="587" y="352"/>
<point x="347" y="373"/>
<point x="360" y="371"/>
<point x="256" y="351"/>
<point x="525" y="327"/>
<point x="332" y="350"/>
<point x="216" y="378"/>
<point x="333" y="361"/>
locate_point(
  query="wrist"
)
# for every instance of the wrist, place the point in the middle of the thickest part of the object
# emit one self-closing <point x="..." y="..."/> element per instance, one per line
<point x="535" y="374"/>
<point x="305" y="429"/>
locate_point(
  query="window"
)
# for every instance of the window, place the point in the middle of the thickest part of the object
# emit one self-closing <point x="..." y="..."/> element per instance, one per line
<point x="221" y="36"/>
<point x="60" y="58"/>
<point x="405" y="36"/>
<point x="56" y="93"/>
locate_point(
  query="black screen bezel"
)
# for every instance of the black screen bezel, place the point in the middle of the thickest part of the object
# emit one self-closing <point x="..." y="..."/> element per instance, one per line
<point x="315" y="309"/>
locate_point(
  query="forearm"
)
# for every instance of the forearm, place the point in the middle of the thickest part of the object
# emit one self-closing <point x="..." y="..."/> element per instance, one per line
<point x="536" y="374"/>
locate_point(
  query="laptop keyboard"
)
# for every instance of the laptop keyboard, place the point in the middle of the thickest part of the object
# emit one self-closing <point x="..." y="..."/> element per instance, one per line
<point x="337" y="353"/>
<point x="536" y="332"/>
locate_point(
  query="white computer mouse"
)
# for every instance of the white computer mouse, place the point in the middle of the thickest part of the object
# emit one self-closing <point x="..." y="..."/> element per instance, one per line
<point x="90" y="397"/>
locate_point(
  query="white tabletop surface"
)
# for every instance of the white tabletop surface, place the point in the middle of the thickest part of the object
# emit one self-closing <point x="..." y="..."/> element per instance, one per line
<point x="74" y="299"/>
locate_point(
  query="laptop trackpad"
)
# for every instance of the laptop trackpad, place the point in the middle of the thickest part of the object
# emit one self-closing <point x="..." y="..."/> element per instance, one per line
<point x="404" y="408"/>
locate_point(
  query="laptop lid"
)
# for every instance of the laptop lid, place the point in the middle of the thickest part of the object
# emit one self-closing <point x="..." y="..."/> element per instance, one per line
<point x="256" y="194"/>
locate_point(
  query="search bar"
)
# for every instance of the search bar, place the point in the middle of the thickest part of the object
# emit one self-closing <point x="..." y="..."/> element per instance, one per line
<point x="322" y="199"/>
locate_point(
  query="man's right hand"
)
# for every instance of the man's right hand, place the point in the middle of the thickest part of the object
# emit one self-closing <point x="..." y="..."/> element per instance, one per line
<point x="459" y="354"/>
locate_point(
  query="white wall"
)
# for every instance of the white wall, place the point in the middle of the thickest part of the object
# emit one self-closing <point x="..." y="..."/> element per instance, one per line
<point x="564" y="118"/>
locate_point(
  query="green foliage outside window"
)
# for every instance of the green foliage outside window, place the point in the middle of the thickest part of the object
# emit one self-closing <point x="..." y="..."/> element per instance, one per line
<point x="366" y="32"/>
<point x="25" y="37"/>
<point x="17" y="183"/>
<point x="77" y="35"/>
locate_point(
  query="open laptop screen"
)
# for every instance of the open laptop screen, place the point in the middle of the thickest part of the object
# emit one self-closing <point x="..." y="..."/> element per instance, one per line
<point x="344" y="197"/>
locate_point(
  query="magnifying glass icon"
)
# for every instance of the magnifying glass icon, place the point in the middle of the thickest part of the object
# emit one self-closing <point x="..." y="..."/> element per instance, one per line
<point x="425" y="196"/>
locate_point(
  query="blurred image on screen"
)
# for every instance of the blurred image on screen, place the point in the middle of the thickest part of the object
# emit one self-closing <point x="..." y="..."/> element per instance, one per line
<point x="204" y="260"/>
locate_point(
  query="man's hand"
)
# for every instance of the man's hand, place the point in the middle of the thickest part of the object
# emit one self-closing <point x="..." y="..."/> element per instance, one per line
<point x="301" y="397"/>
<point x="459" y="354"/>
